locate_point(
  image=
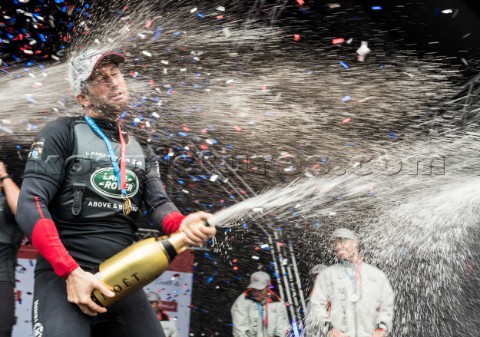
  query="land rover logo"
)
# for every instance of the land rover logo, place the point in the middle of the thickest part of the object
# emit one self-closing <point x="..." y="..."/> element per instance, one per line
<point x="105" y="182"/>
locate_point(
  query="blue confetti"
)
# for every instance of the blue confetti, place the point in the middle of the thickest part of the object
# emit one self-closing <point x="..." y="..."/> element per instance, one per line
<point x="345" y="65"/>
<point x="376" y="8"/>
<point x="346" y="99"/>
<point x="201" y="15"/>
<point x="157" y="33"/>
<point x="183" y="134"/>
<point x="391" y="135"/>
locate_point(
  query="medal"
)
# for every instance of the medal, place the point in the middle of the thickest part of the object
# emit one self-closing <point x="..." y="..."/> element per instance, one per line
<point x="127" y="206"/>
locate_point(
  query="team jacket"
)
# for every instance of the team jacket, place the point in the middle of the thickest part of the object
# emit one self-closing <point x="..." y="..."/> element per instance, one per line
<point x="333" y="303"/>
<point x="70" y="205"/>
<point x="254" y="319"/>
<point x="10" y="233"/>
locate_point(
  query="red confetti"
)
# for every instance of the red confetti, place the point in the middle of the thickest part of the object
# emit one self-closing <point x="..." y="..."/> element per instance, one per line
<point x="204" y="131"/>
<point x="148" y="24"/>
<point x="152" y="83"/>
<point x="296" y="37"/>
<point x="219" y="17"/>
<point x="235" y="268"/>
<point x="234" y="260"/>
<point x="346" y="120"/>
<point x="237" y="128"/>
<point x="338" y="40"/>
<point x="300" y="2"/>
<point x="264" y="88"/>
<point x="186" y="128"/>
<point x="204" y="146"/>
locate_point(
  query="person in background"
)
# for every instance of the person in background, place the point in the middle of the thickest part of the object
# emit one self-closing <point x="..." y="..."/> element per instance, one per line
<point x="169" y="326"/>
<point x="10" y="238"/>
<point x="259" y="312"/>
<point x="351" y="298"/>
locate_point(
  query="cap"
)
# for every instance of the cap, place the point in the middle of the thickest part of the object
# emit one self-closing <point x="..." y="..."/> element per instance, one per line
<point x="83" y="65"/>
<point x="344" y="233"/>
<point x="316" y="269"/>
<point x="259" y="280"/>
<point x="153" y="297"/>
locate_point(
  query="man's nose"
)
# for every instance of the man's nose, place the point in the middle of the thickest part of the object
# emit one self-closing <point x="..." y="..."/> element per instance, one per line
<point x="113" y="81"/>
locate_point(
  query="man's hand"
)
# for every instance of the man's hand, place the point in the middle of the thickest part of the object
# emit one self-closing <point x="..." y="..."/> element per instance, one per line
<point x="3" y="169"/>
<point x="195" y="230"/>
<point x="378" y="333"/>
<point x="80" y="285"/>
<point x="336" y="333"/>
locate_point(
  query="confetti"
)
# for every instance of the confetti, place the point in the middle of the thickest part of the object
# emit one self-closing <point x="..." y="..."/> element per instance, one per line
<point x="363" y="51"/>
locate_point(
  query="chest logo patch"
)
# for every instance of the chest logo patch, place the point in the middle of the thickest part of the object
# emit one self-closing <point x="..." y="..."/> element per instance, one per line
<point x="104" y="182"/>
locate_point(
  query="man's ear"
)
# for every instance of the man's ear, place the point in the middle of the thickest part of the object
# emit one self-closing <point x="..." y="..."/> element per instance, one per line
<point x="83" y="99"/>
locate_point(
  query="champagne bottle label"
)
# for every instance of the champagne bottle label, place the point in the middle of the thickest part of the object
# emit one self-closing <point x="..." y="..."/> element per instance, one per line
<point x="135" y="266"/>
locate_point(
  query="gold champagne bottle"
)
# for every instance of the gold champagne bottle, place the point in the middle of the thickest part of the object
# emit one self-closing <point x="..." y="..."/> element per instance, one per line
<point x="136" y="266"/>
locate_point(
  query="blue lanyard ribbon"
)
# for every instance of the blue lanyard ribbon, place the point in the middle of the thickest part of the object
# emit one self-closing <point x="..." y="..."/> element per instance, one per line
<point x="111" y="152"/>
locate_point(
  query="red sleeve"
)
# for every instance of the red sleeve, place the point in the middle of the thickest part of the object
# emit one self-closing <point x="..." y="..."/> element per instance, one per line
<point x="171" y="222"/>
<point x="47" y="242"/>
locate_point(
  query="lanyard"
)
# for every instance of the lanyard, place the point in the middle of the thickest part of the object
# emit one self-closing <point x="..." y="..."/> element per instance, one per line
<point x="120" y="171"/>
<point x="355" y="279"/>
<point x="260" y="310"/>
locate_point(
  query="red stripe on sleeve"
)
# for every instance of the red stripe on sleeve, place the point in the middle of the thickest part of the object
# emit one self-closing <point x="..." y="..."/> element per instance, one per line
<point x="38" y="206"/>
<point x="171" y="223"/>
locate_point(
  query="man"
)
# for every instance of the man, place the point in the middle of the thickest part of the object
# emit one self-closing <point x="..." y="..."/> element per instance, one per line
<point x="10" y="237"/>
<point x="259" y="311"/>
<point x="169" y="326"/>
<point x="84" y="183"/>
<point x="351" y="298"/>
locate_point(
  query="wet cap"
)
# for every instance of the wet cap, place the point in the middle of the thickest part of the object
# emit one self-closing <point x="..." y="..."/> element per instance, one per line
<point x="259" y="280"/>
<point x="316" y="269"/>
<point x="83" y="65"/>
<point x="153" y="297"/>
<point x="344" y="233"/>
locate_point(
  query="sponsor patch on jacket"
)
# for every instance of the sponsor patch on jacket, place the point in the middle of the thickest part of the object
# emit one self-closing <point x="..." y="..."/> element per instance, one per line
<point x="36" y="150"/>
<point x="105" y="182"/>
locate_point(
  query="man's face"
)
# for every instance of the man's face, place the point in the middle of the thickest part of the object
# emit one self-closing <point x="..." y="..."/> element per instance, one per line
<point x="261" y="294"/>
<point x="107" y="89"/>
<point x="346" y="249"/>
<point x="155" y="305"/>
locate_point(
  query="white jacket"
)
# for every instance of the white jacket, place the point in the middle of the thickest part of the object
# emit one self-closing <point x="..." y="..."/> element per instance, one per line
<point x="252" y="319"/>
<point x="333" y="302"/>
<point x="169" y="326"/>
